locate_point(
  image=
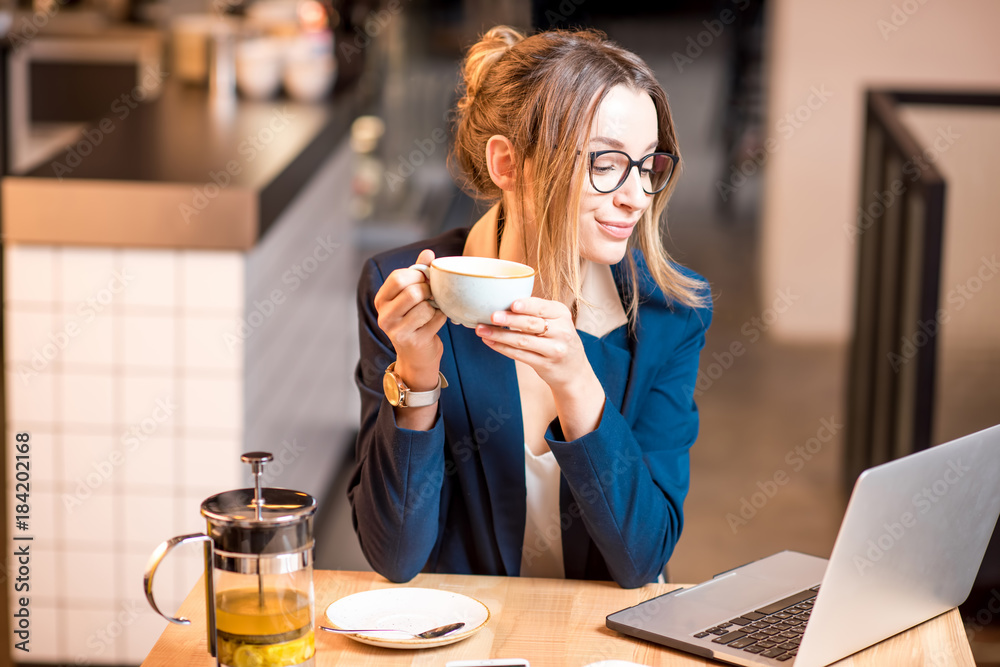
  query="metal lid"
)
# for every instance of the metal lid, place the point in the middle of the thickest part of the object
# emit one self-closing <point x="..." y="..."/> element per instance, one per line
<point x="258" y="506"/>
<point x="259" y="521"/>
<point x="239" y="507"/>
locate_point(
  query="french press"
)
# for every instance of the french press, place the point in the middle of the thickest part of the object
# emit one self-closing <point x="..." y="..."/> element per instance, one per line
<point x="258" y="574"/>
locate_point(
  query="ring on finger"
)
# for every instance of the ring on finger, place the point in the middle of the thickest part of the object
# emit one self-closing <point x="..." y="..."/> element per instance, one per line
<point x="545" y="330"/>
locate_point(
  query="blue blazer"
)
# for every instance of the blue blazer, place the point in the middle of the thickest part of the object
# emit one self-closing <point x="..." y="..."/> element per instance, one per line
<point x="452" y="499"/>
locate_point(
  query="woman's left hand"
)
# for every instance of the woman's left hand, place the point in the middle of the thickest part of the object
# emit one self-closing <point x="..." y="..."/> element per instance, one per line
<point x="541" y="334"/>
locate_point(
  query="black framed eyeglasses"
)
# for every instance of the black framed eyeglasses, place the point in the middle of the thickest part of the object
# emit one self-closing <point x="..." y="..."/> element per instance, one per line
<point x="610" y="169"/>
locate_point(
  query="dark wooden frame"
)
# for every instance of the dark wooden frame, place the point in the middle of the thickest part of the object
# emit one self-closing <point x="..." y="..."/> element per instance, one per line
<point x="890" y="399"/>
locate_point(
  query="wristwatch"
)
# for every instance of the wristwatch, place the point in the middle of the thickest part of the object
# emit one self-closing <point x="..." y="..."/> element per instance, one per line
<point x="400" y="396"/>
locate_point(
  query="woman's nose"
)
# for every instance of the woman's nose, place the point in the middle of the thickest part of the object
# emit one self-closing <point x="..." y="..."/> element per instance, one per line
<point x="631" y="193"/>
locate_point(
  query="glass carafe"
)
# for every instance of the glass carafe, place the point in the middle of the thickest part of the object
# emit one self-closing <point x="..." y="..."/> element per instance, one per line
<point x="259" y="588"/>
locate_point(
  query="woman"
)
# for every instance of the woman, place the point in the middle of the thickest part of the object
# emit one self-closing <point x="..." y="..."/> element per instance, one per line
<point x="555" y="441"/>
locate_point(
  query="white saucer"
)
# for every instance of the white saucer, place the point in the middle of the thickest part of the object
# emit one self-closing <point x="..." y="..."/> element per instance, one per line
<point x="409" y="609"/>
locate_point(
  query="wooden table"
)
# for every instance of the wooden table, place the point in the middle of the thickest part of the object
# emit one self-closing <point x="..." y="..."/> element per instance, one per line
<point x="546" y="621"/>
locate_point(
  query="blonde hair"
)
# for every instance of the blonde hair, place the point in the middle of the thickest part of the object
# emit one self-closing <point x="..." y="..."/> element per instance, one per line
<point x="542" y="92"/>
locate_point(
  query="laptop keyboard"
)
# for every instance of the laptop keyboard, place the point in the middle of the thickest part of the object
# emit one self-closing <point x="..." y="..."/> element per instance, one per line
<point x="774" y="631"/>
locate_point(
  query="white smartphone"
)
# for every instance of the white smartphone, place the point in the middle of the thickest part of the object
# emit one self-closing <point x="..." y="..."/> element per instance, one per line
<point x="506" y="662"/>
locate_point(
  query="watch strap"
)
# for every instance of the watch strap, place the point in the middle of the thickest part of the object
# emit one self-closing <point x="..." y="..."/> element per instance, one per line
<point x="417" y="399"/>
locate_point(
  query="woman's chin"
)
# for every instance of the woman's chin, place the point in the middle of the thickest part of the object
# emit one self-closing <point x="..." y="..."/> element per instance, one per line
<point x="607" y="253"/>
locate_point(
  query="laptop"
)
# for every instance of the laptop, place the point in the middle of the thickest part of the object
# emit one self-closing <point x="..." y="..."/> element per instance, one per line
<point x="910" y="545"/>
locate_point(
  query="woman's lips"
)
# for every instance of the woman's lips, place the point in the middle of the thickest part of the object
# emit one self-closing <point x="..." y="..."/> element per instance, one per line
<point x="619" y="230"/>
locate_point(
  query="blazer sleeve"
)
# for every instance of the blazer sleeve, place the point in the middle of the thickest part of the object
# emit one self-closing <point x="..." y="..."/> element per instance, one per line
<point x="629" y="481"/>
<point x="395" y="489"/>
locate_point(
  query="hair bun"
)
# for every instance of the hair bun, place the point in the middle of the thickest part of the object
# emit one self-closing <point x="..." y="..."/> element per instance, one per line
<point x="482" y="55"/>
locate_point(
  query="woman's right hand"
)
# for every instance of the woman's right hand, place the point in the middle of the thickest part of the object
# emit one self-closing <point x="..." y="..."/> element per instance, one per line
<point x="411" y="323"/>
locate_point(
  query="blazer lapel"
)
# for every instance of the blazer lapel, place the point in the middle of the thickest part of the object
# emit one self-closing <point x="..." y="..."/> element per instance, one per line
<point x="645" y="347"/>
<point x="607" y="360"/>
<point x="488" y="384"/>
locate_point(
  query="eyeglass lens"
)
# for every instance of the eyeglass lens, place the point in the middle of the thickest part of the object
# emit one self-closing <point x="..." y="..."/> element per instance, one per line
<point x="610" y="169"/>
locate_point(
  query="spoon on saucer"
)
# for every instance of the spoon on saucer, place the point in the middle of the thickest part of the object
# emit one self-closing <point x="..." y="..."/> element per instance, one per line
<point x="426" y="634"/>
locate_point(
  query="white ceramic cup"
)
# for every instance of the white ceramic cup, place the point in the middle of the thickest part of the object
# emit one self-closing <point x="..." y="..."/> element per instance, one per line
<point x="470" y="289"/>
<point x="310" y="67"/>
<point x="258" y="68"/>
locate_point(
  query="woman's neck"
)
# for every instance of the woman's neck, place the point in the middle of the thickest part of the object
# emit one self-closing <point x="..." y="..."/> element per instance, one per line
<point x="511" y="242"/>
<point x="512" y="246"/>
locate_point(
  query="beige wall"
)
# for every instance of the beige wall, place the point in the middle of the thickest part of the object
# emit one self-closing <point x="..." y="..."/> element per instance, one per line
<point x="822" y="57"/>
<point x="970" y="268"/>
<point x="968" y="341"/>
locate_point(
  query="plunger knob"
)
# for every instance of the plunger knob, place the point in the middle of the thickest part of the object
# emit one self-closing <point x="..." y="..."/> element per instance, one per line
<point x="257" y="461"/>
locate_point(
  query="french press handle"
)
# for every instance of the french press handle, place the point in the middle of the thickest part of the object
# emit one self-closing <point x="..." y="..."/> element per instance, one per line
<point x="154" y="562"/>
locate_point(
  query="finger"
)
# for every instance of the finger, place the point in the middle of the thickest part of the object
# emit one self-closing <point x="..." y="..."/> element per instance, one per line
<point x="416" y="332"/>
<point x="395" y="283"/>
<point x="528" y="357"/>
<point x="426" y="256"/>
<point x="517" y="339"/>
<point x="411" y="297"/>
<point x="435" y="323"/>
<point x="533" y="305"/>
<point x="414" y="328"/>
<point x="418" y="317"/>
<point x="531" y="324"/>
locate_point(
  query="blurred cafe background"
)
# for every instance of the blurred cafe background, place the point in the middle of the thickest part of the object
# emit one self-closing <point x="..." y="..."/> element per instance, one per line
<point x="189" y="188"/>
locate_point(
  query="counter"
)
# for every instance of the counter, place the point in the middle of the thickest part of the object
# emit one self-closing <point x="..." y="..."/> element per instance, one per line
<point x="211" y="175"/>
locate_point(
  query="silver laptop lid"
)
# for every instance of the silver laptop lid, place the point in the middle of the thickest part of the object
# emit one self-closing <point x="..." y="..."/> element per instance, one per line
<point x="909" y="547"/>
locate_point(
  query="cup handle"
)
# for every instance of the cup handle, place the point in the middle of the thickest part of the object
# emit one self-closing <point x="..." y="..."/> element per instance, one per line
<point x="426" y="270"/>
<point x="154" y="562"/>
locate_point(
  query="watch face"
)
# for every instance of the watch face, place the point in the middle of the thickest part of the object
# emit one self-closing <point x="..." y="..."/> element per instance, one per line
<point x="391" y="388"/>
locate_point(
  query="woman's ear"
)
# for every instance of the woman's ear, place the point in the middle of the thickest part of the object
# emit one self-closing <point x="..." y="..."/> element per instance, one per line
<point x="500" y="161"/>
